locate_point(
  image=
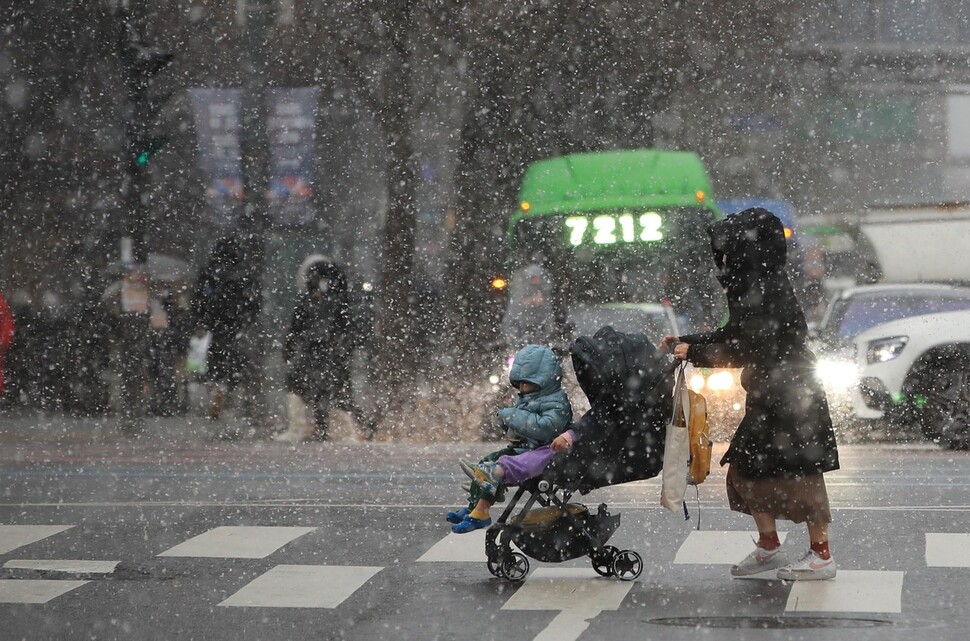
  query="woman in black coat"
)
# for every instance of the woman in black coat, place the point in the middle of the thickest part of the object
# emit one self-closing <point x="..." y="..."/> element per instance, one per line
<point x="785" y="441"/>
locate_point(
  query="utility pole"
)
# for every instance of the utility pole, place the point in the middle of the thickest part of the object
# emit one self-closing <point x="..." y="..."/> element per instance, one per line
<point x="140" y="63"/>
<point x="255" y="169"/>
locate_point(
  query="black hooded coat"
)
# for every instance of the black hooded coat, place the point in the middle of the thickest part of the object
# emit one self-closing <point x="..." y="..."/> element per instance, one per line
<point x="621" y="438"/>
<point x="318" y="344"/>
<point x="786" y="430"/>
<point x="226" y="301"/>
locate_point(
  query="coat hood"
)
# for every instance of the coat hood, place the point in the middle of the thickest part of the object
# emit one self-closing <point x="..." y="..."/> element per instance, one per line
<point x="612" y="366"/>
<point x="316" y="267"/>
<point x="537" y="365"/>
<point x="304" y="269"/>
<point x="754" y="242"/>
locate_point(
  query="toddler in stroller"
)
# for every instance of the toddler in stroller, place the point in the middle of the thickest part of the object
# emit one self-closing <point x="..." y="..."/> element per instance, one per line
<point x="619" y="440"/>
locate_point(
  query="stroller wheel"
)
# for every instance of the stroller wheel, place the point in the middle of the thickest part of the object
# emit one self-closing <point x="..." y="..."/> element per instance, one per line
<point x="515" y="567"/>
<point x="627" y="565"/>
<point x="603" y="560"/>
<point x="495" y="569"/>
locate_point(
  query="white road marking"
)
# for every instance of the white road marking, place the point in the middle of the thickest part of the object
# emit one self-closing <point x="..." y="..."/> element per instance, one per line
<point x="714" y="547"/>
<point x="302" y="586"/>
<point x="849" y="591"/>
<point x="578" y="593"/>
<point x="238" y="542"/>
<point x="63" y="565"/>
<point x="15" y="536"/>
<point x="34" y="590"/>
<point x="947" y="550"/>
<point x="457" y="548"/>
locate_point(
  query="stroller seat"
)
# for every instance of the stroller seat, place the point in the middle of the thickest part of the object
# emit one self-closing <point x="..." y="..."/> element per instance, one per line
<point x="621" y="440"/>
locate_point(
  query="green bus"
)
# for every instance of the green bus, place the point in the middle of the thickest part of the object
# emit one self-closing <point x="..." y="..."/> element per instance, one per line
<point x="620" y="227"/>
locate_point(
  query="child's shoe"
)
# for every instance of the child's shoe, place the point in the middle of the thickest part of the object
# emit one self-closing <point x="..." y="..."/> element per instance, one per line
<point x="457" y="516"/>
<point x="470" y="524"/>
<point x="482" y="475"/>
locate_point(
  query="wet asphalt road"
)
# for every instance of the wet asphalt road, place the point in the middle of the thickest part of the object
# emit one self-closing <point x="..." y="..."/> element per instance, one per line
<point x="255" y="540"/>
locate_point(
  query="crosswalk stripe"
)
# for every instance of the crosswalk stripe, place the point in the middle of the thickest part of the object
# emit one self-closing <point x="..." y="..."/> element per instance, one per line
<point x="851" y="591"/>
<point x="35" y="590"/>
<point x="947" y="550"/>
<point x="63" y="565"/>
<point x="578" y="593"/>
<point x="15" y="536"/>
<point x="457" y="548"/>
<point x="302" y="586"/>
<point x="237" y="542"/>
<point x="712" y="547"/>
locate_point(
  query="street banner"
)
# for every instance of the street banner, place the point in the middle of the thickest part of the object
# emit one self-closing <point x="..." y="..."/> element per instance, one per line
<point x="290" y="129"/>
<point x="291" y="115"/>
<point x="218" y="116"/>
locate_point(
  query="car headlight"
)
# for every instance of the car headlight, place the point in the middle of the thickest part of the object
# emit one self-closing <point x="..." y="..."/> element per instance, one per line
<point x="885" y="349"/>
<point x="717" y="381"/>
<point x="836" y="373"/>
<point x="696" y="381"/>
<point x="720" y="381"/>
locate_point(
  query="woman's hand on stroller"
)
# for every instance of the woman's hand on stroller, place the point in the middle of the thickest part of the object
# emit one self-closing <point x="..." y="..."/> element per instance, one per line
<point x="666" y="342"/>
<point x="680" y="351"/>
<point x="561" y="443"/>
<point x="672" y="345"/>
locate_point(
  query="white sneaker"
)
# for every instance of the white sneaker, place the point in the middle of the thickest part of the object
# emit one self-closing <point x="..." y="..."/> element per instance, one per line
<point x="811" y="567"/>
<point x="761" y="560"/>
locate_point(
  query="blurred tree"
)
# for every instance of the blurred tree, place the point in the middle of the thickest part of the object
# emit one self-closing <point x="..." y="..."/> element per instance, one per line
<point x="378" y="47"/>
<point x="546" y="79"/>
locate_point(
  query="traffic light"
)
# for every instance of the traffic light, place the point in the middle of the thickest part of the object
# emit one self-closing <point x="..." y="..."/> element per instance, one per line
<point x="144" y="150"/>
<point x="141" y="63"/>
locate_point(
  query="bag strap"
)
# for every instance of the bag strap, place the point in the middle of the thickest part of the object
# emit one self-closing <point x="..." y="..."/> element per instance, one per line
<point x="681" y="395"/>
<point x="685" y="397"/>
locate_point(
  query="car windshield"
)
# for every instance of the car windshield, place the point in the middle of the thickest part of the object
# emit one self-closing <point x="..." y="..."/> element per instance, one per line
<point x="630" y="319"/>
<point x="862" y="312"/>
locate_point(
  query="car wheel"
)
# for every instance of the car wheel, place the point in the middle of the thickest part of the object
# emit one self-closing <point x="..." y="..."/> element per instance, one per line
<point x="942" y="397"/>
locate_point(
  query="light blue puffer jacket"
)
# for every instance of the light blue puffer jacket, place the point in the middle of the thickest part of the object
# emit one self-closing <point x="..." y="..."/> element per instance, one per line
<point x="537" y="417"/>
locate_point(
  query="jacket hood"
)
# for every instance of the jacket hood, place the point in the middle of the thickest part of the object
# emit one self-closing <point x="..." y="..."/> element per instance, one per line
<point x="537" y="365"/>
<point x="617" y="367"/>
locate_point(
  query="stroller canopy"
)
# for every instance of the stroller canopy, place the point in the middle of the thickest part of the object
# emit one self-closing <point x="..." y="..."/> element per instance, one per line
<point x="621" y="438"/>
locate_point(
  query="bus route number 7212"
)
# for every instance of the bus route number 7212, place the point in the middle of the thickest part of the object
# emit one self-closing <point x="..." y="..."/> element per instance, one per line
<point x="609" y="229"/>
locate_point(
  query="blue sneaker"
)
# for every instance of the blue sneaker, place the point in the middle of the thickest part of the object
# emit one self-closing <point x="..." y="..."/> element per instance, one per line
<point x="457" y="516"/>
<point x="470" y="524"/>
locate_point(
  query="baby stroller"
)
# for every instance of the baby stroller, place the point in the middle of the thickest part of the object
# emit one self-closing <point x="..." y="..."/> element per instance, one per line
<point x="629" y="386"/>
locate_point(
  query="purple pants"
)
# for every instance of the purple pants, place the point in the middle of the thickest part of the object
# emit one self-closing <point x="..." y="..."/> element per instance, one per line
<point x="526" y="465"/>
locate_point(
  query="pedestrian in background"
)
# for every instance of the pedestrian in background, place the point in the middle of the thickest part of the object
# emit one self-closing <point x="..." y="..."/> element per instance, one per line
<point x="785" y="442"/>
<point x="318" y="350"/>
<point x="225" y="301"/>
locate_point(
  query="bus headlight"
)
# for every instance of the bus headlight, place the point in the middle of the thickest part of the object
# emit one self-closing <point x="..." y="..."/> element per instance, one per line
<point x="837" y="374"/>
